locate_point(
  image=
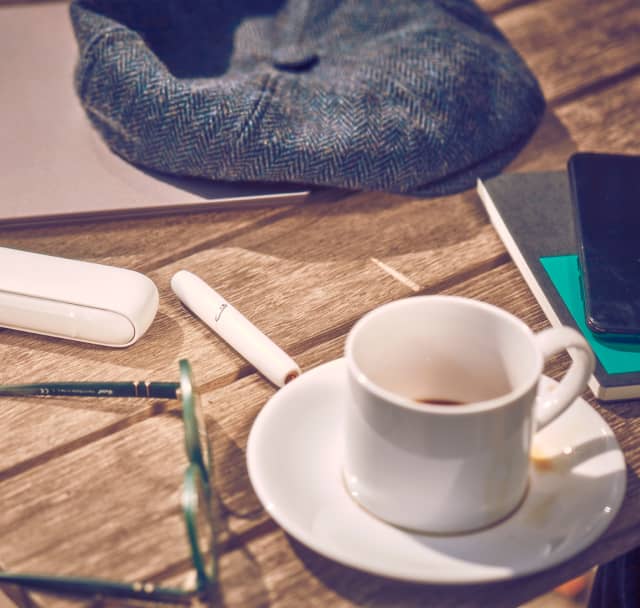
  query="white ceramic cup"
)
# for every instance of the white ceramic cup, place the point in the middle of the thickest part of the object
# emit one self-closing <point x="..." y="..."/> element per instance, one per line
<point x="449" y="468"/>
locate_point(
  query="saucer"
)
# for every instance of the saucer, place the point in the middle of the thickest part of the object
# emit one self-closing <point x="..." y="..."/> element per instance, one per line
<point x="577" y="484"/>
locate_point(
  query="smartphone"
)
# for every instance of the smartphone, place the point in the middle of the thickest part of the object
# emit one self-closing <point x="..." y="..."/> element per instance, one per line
<point x="605" y="191"/>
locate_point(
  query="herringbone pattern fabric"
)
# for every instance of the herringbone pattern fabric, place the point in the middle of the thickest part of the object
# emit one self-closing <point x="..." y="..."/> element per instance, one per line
<point x="403" y="96"/>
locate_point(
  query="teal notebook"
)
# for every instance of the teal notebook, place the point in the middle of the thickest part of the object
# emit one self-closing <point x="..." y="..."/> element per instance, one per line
<point x="532" y="213"/>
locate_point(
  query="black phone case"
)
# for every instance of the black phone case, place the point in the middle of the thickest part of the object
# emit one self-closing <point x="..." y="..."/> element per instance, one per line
<point x="599" y="183"/>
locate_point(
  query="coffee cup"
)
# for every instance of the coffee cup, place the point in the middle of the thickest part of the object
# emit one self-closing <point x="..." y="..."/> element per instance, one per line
<point x="443" y="404"/>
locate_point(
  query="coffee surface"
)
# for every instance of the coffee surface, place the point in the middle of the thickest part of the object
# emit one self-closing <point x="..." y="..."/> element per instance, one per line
<point x="437" y="401"/>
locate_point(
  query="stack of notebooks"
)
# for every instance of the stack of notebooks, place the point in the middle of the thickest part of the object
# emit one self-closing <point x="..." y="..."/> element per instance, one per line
<point x="533" y="216"/>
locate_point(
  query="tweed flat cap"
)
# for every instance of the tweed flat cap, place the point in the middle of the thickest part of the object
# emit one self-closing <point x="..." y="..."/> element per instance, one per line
<point x="403" y="95"/>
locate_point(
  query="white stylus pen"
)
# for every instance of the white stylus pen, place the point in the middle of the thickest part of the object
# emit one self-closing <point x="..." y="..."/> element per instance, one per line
<point x="234" y="328"/>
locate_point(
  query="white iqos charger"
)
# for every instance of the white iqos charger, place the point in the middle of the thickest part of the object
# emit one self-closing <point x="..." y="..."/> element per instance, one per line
<point x="73" y="299"/>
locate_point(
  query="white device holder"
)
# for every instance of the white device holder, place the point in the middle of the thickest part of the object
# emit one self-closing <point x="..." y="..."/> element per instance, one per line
<point x="73" y="299"/>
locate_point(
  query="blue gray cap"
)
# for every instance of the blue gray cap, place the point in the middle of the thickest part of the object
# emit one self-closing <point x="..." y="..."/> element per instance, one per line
<point x="395" y="95"/>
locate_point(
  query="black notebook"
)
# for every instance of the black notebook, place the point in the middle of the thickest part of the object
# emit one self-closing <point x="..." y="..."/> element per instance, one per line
<point x="533" y="216"/>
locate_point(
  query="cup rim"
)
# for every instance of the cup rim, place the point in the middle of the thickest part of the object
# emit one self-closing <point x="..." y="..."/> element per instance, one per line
<point x="469" y="408"/>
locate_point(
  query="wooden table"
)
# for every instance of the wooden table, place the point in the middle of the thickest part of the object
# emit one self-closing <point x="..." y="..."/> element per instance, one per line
<point x="91" y="487"/>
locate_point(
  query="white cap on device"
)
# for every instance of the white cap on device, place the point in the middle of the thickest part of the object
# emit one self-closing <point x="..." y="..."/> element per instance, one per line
<point x="234" y="328"/>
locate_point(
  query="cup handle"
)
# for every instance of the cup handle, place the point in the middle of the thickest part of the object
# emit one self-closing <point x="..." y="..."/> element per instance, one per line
<point x="551" y="342"/>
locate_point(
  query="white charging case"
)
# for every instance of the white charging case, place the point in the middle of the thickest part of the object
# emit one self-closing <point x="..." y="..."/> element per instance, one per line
<point x="73" y="299"/>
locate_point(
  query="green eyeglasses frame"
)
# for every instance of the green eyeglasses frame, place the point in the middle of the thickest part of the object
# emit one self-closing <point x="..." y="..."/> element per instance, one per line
<point x="197" y="485"/>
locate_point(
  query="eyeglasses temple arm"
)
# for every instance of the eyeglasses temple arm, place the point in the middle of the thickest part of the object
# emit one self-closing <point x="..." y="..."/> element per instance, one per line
<point x="158" y="390"/>
<point x="92" y="587"/>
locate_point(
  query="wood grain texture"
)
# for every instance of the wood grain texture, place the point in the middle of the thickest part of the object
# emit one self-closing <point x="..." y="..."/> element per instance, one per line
<point x="157" y="443"/>
<point x="92" y="486"/>
<point x="573" y="44"/>
<point x="608" y="120"/>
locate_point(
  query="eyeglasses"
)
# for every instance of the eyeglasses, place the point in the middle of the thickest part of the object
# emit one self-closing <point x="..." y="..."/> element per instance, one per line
<point x="196" y="491"/>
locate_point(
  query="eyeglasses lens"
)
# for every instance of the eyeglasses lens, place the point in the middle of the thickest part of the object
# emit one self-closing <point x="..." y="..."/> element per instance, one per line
<point x="203" y="434"/>
<point x="205" y="531"/>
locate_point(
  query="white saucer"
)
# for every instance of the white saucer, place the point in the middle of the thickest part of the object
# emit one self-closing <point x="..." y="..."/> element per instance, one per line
<point x="294" y="454"/>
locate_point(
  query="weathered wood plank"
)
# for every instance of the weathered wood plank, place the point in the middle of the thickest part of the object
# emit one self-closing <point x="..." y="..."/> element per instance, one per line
<point x="109" y="509"/>
<point x="288" y="567"/>
<point x="152" y="450"/>
<point x="298" y="279"/>
<point x="606" y="121"/>
<point x="506" y="288"/>
<point x="282" y="275"/>
<point x="571" y="45"/>
<point x="134" y="243"/>
<point x="548" y="149"/>
<point x="279" y="276"/>
<point x="304" y="275"/>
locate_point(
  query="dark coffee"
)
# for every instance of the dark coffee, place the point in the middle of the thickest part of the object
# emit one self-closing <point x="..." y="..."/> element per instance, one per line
<point x="431" y="401"/>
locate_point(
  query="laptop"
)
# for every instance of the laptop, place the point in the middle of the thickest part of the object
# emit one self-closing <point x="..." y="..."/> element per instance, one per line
<point x="54" y="167"/>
